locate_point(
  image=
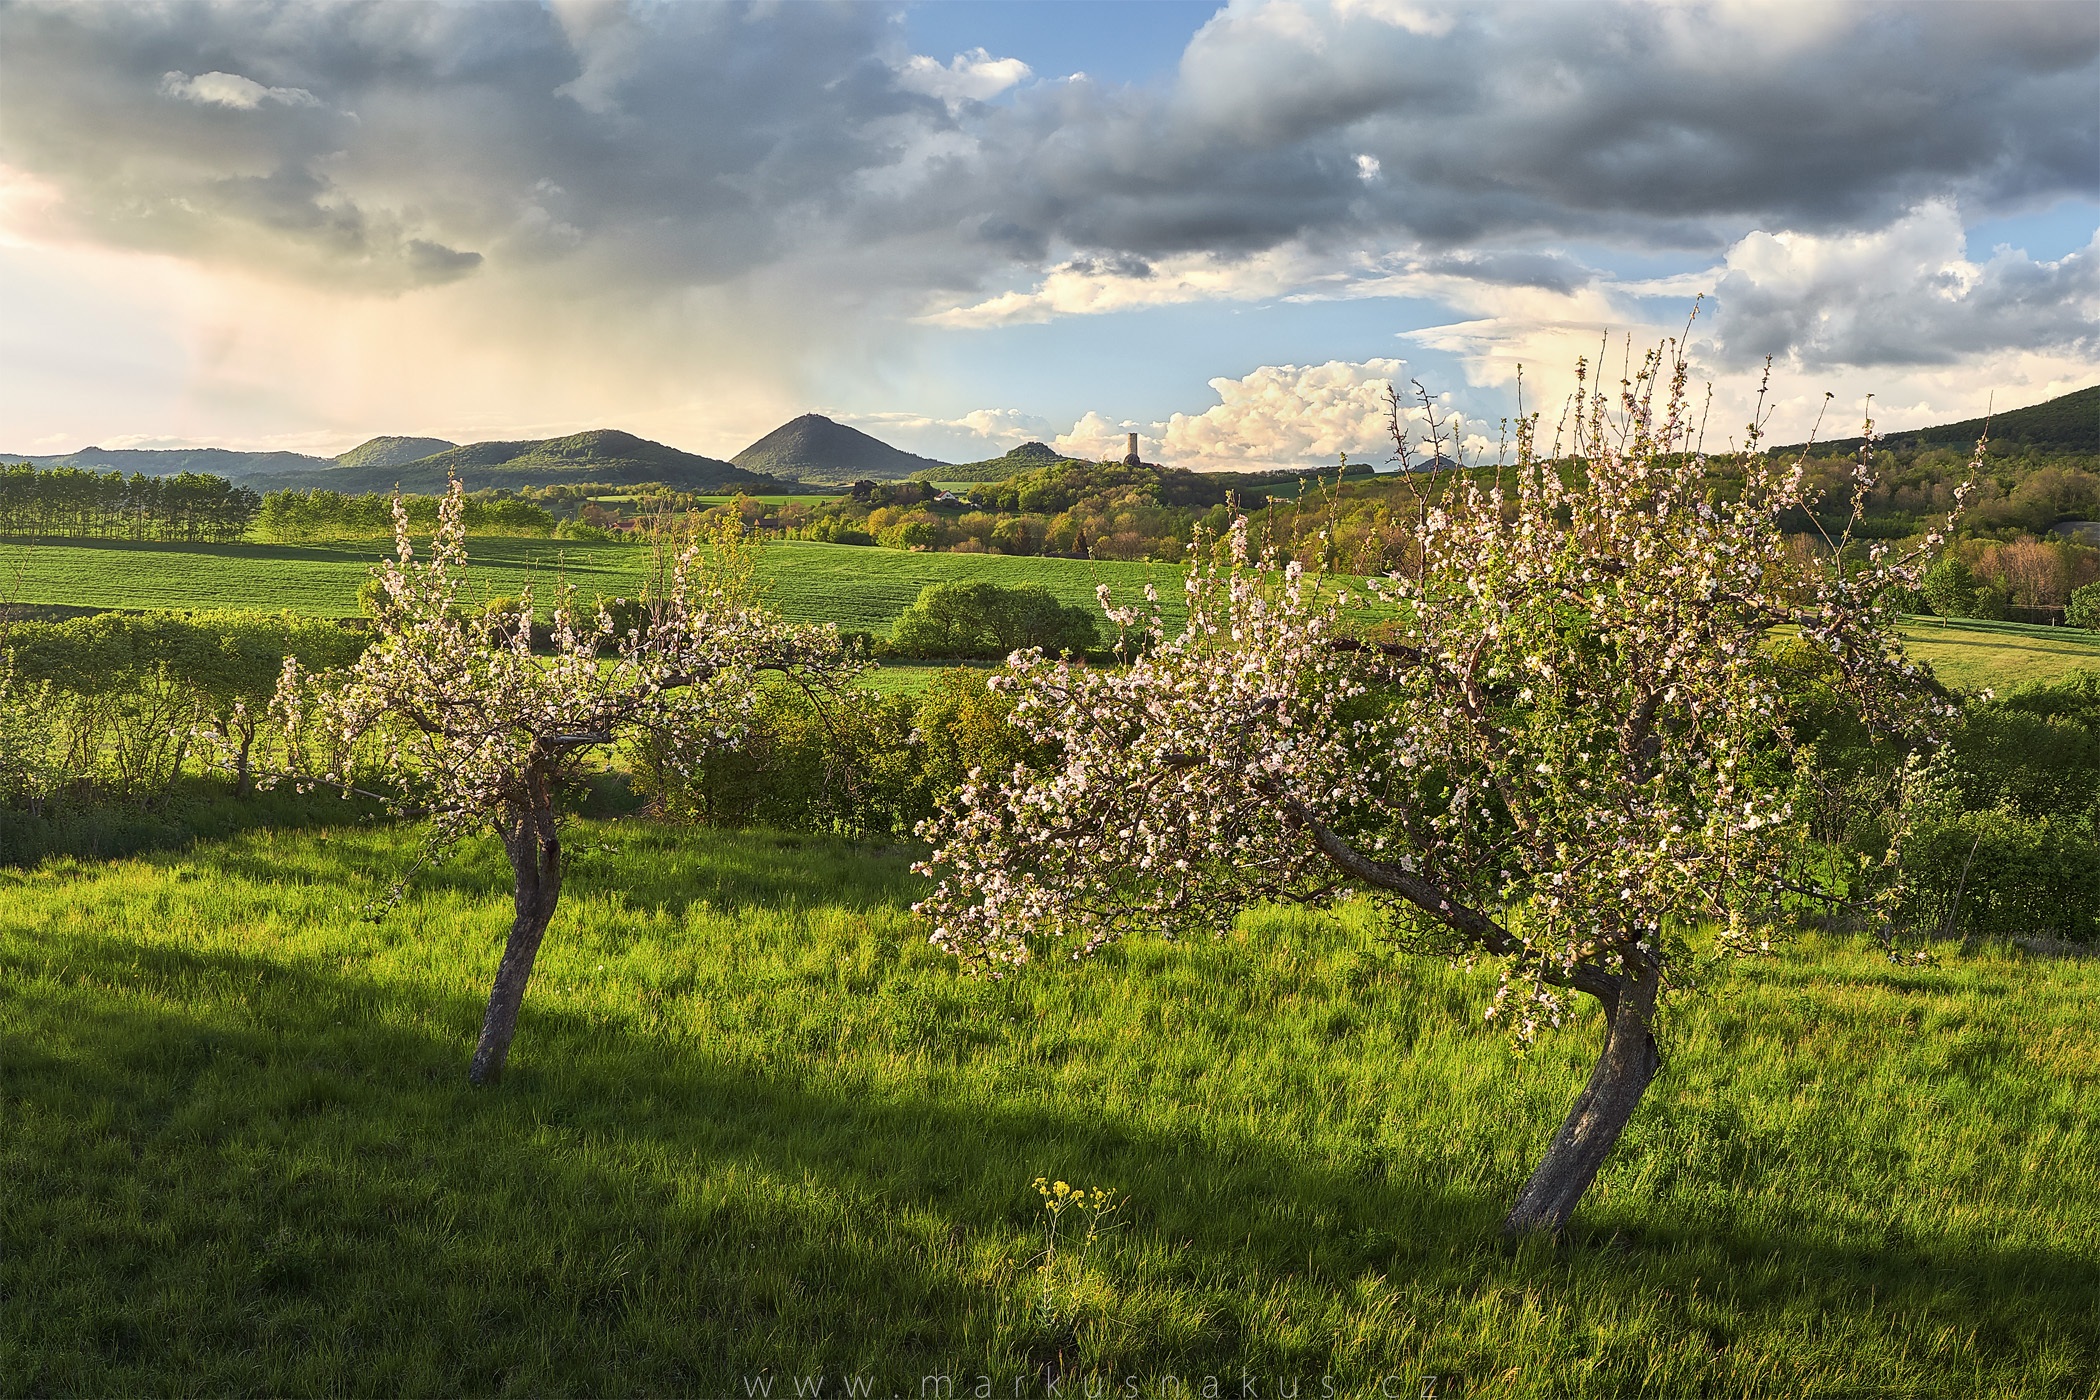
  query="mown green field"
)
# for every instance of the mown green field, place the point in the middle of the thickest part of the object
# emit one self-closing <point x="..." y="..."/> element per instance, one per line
<point x="856" y="587"/>
<point x="756" y="1131"/>
<point x="1974" y="655"/>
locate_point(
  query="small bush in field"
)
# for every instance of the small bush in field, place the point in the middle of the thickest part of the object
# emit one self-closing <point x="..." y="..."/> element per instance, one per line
<point x="984" y="621"/>
<point x="2000" y="873"/>
<point x="2084" y="610"/>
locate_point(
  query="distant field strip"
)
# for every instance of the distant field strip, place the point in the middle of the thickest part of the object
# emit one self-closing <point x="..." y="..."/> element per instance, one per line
<point x="856" y="587"/>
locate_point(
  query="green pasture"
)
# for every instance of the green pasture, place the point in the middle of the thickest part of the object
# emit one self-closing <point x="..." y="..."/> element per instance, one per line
<point x="1973" y="655"/>
<point x="855" y="586"/>
<point x="755" y="1130"/>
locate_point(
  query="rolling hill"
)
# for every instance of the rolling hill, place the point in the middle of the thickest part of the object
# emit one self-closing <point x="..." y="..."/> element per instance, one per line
<point x="1028" y="457"/>
<point x="814" y="448"/>
<point x="611" y="457"/>
<point x="2068" y="423"/>
<point x="169" y="461"/>
<point x="392" y="451"/>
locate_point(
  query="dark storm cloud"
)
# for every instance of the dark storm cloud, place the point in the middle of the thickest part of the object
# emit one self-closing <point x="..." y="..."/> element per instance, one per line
<point x="1657" y="125"/>
<point x="1550" y="271"/>
<point x="402" y="144"/>
<point x="601" y="149"/>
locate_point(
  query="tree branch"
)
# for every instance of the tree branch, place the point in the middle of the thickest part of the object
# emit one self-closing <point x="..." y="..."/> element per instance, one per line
<point x="1435" y="902"/>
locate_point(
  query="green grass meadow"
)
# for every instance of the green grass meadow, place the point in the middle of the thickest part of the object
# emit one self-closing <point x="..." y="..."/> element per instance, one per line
<point x="854" y="586"/>
<point x="756" y="1131"/>
<point x="1968" y="654"/>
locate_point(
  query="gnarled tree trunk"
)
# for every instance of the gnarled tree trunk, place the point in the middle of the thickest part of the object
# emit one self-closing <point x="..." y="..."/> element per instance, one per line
<point x="1626" y="1064"/>
<point x="534" y="844"/>
<point x="1624" y="1068"/>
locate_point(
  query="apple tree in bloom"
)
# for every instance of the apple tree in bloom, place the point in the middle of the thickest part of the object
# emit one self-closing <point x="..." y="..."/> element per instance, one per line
<point x="1556" y="745"/>
<point x="470" y="727"/>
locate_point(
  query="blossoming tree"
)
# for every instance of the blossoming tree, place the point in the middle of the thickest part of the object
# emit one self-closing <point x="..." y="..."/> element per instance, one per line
<point x="468" y="725"/>
<point x="1555" y="745"/>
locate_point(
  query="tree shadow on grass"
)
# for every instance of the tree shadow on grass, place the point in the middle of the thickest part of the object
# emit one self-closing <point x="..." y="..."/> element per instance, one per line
<point x="642" y="864"/>
<point x="237" y="1172"/>
<point x="197" y="809"/>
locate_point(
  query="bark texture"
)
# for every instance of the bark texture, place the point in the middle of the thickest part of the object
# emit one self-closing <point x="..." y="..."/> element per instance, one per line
<point x="534" y="845"/>
<point x="1624" y="1068"/>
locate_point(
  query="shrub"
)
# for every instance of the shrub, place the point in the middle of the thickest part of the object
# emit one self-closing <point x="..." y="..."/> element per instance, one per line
<point x="2084" y="610"/>
<point x="845" y="769"/>
<point x="129" y="693"/>
<point x="1998" y="873"/>
<point x="2034" y="752"/>
<point x="871" y="764"/>
<point x="965" y="727"/>
<point x="982" y="621"/>
<point x="833" y="530"/>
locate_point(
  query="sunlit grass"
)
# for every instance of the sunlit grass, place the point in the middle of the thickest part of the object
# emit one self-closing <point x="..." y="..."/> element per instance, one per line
<point x="857" y="587"/>
<point x="754" y="1125"/>
<point x="1970" y="655"/>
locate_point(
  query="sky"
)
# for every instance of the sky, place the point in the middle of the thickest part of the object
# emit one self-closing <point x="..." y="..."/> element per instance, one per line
<point x="962" y="226"/>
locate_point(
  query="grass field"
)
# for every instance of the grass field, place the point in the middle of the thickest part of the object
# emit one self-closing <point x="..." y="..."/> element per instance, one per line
<point x="856" y="587"/>
<point x="1972" y="655"/>
<point x="756" y="1132"/>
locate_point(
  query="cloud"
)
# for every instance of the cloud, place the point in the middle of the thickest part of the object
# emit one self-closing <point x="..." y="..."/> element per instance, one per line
<point x="971" y="437"/>
<point x="1290" y="416"/>
<point x="1097" y="439"/>
<point x="231" y="90"/>
<point x="706" y="194"/>
<point x="1906" y="294"/>
<point x="1091" y="286"/>
<point x="702" y="143"/>
<point x="969" y="77"/>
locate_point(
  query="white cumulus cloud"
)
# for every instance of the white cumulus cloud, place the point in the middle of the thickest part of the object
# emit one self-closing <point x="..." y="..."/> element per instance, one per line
<point x="969" y="77"/>
<point x="1287" y="416"/>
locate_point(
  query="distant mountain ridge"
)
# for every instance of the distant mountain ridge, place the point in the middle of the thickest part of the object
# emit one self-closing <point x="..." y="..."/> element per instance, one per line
<point x="814" y="448"/>
<point x="603" y="455"/>
<point x="811" y="448"/>
<point x="228" y="462"/>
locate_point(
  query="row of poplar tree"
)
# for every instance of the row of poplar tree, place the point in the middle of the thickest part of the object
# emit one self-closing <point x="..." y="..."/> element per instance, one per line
<point x="74" y="503"/>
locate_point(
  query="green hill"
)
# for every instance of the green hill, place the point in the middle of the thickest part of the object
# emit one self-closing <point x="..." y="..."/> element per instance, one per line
<point x="1028" y="457"/>
<point x="604" y="455"/>
<point x="2070" y="423"/>
<point x="171" y="461"/>
<point x="392" y="451"/>
<point x="813" y="448"/>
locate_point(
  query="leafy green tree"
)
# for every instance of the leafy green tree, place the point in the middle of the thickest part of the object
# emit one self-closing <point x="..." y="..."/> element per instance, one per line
<point x="986" y="621"/>
<point x="1950" y="586"/>
<point x="2084" y="610"/>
